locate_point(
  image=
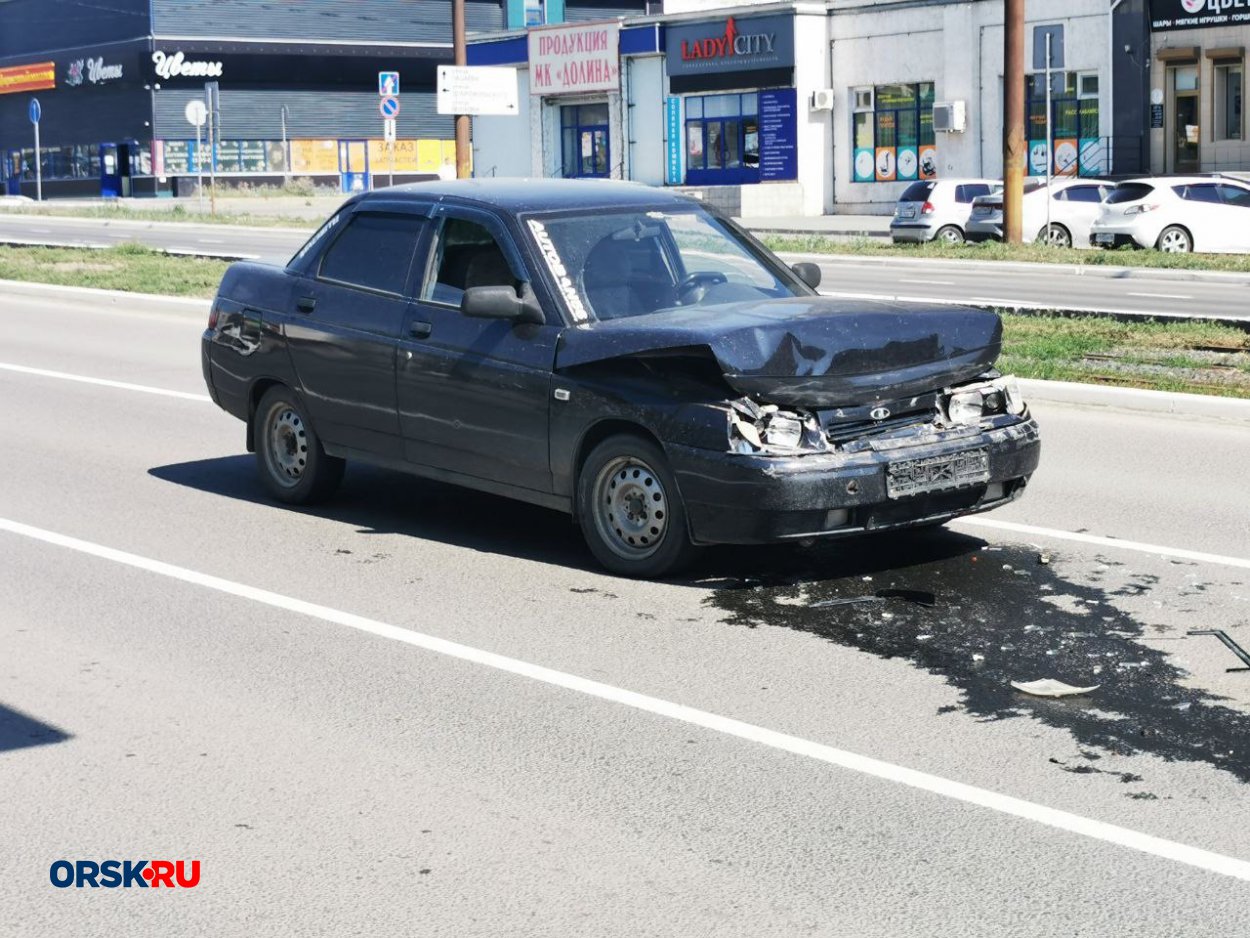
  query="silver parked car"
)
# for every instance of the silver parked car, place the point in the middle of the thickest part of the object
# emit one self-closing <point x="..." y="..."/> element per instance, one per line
<point x="937" y="208"/>
<point x="1074" y="206"/>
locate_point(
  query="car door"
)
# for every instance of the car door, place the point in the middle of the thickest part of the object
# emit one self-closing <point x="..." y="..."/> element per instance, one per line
<point x="1077" y="207"/>
<point x="473" y="393"/>
<point x="347" y="310"/>
<point x="1202" y="213"/>
<point x="1238" y="203"/>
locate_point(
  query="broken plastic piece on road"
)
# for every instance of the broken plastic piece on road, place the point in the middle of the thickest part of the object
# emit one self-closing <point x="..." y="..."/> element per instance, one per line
<point x="846" y="601"/>
<point x="1049" y="687"/>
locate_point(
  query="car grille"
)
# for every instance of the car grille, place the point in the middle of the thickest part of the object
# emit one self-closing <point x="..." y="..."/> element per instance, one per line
<point x="838" y="433"/>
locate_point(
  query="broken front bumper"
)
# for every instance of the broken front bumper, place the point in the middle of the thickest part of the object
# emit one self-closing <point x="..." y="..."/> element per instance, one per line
<point x="748" y="499"/>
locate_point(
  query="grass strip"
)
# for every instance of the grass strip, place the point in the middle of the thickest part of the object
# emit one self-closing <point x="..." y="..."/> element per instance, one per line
<point x="128" y="267"/>
<point x="997" y="251"/>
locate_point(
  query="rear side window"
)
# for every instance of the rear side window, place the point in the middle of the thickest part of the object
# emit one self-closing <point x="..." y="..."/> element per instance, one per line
<point x="1082" y="194"/>
<point x="966" y="192"/>
<point x="374" y="251"/>
<point x="916" y="192"/>
<point x="1129" y="192"/>
<point x="1202" y="193"/>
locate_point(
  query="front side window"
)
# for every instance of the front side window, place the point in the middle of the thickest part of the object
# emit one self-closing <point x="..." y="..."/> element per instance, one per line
<point x="466" y="255"/>
<point x="634" y="263"/>
<point x="374" y="251"/>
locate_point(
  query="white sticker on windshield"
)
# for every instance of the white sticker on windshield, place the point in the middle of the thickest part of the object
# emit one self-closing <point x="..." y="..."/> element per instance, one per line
<point x="567" y="289"/>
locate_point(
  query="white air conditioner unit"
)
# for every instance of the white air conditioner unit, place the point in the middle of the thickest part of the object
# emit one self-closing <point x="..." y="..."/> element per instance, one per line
<point x="950" y="117"/>
<point x="822" y="99"/>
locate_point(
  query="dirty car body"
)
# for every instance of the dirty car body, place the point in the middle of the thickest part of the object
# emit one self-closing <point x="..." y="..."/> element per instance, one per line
<point x="618" y="353"/>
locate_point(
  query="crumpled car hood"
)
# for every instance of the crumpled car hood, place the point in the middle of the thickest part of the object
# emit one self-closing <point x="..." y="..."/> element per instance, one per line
<point x="809" y="351"/>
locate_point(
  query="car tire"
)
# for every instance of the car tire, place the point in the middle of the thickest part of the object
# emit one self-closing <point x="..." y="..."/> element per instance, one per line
<point x="1055" y="236"/>
<point x="1175" y="240"/>
<point x="949" y="234"/>
<point x="630" y="511"/>
<point x="292" y="463"/>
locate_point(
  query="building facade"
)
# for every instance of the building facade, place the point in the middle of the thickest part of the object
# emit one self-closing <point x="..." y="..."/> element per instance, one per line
<point x="298" y="89"/>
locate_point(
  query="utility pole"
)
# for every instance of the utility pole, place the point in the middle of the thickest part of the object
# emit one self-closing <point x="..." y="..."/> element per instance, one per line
<point x="462" y="120"/>
<point x="1013" y="119"/>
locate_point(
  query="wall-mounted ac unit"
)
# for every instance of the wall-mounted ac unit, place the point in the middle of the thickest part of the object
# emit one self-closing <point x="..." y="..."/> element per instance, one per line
<point x="822" y="99"/>
<point x="950" y="117"/>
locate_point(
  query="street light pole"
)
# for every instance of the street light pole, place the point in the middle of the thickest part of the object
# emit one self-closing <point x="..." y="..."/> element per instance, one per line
<point x="286" y="149"/>
<point x="1013" y="120"/>
<point x="461" y="59"/>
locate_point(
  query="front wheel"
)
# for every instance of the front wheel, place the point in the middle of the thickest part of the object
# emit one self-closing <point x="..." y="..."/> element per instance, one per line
<point x="949" y="234"/>
<point x="1175" y="240"/>
<point x="293" y="466"/>
<point x="630" y="511"/>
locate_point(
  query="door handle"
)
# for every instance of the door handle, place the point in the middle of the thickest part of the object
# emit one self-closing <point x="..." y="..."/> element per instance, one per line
<point x="420" y="330"/>
<point x="306" y="304"/>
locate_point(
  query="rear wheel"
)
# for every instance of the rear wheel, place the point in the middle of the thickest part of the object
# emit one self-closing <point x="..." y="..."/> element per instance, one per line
<point x="1175" y="240"/>
<point x="630" y="511"/>
<point x="292" y="463"/>
<point x="950" y="234"/>
<point x="1056" y="236"/>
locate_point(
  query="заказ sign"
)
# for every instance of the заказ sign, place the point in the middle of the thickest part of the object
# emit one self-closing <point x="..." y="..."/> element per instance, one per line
<point x="575" y="59"/>
<point x="735" y="44"/>
<point x="1197" y="14"/>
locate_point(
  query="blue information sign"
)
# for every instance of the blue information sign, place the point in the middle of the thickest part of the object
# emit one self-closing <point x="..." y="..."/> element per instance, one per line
<point x="779" y="152"/>
<point x="388" y="84"/>
<point x="672" y="119"/>
<point x="36" y="112"/>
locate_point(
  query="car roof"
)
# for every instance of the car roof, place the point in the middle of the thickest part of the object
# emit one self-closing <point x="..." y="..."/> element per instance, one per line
<point x="1180" y="180"/>
<point x="519" y="195"/>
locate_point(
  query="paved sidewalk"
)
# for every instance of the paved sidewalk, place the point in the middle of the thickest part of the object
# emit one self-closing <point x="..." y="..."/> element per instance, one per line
<point x="836" y="226"/>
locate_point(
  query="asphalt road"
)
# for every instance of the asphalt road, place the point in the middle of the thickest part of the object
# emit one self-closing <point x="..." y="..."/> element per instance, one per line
<point x="1034" y="286"/>
<point x="169" y="690"/>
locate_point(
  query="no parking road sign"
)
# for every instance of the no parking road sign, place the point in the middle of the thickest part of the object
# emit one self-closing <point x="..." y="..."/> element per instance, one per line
<point x="389" y="107"/>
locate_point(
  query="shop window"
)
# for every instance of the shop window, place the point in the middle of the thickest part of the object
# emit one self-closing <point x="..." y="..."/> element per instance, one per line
<point x="722" y="139"/>
<point x="584" y="141"/>
<point x="892" y="133"/>
<point x="1229" y="82"/>
<point x="1074" y="124"/>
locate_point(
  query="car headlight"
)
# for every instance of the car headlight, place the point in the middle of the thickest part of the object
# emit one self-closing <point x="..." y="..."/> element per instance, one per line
<point x="783" y="430"/>
<point x="969" y="406"/>
<point x="769" y="429"/>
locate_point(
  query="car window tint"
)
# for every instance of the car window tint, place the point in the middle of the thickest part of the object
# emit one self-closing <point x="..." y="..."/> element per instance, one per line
<point x="916" y="192"/>
<point x="1230" y="193"/>
<point x="1129" y="192"/>
<point x="467" y="255"/>
<point x="374" y="251"/>
<point x="1242" y="200"/>
<point x="1083" y="194"/>
<point x="1199" y="193"/>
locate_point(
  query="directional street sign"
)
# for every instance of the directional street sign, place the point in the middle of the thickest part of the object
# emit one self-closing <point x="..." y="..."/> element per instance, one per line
<point x="477" y="89"/>
<point x="35" y="112"/>
<point x="388" y="84"/>
<point x="389" y="107"/>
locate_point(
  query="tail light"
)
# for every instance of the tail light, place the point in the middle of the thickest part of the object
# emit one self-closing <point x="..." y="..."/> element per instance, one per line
<point x="927" y="209"/>
<point x="1141" y="209"/>
<point x="213" y="313"/>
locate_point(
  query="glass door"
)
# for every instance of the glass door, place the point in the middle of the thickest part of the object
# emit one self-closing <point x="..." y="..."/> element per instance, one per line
<point x="585" y="149"/>
<point x="1186" y="129"/>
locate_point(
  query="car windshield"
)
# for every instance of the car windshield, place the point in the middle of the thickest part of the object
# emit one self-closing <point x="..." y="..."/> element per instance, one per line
<point x="610" y="265"/>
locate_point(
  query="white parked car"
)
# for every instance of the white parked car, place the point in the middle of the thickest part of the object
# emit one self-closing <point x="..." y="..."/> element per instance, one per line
<point x="1176" y="214"/>
<point x="937" y="209"/>
<point x="1074" y="206"/>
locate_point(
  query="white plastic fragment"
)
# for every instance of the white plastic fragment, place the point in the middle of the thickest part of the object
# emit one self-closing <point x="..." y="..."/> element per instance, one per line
<point x="1049" y="687"/>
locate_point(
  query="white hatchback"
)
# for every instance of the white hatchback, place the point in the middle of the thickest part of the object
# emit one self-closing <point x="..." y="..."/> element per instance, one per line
<point x="937" y="209"/>
<point x="1176" y="214"/>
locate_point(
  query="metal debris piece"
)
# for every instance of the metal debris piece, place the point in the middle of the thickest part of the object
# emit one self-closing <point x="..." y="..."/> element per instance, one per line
<point x="1232" y="646"/>
<point x="1043" y="559"/>
<point x="846" y="601"/>
<point x="1049" y="687"/>
<point x="919" y="597"/>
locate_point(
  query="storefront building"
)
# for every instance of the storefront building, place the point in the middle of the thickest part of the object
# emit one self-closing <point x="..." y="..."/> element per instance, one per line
<point x="298" y="89"/>
<point x="1197" y="87"/>
<point x="717" y="103"/>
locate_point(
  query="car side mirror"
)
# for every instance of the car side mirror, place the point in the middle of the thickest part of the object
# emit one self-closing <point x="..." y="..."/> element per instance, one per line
<point x="809" y="273"/>
<point x="502" y="302"/>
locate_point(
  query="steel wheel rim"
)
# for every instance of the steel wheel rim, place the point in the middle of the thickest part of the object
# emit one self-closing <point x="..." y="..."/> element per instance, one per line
<point x="1174" y="242"/>
<point x="287" y="451"/>
<point x="1055" y="237"/>
<point x="951" y="236"/>
<point x="631" y="508"/>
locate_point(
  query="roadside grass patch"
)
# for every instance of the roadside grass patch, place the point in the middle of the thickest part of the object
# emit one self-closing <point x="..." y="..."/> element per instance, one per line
<point x="997" y="251"/>
<point x="176" y="214"/>
<point x="1195" y="357"/>
<point x="129" y="267"/>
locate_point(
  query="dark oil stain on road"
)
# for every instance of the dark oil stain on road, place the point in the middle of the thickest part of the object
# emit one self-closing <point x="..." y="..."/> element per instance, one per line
<point x="1000" y="615"/>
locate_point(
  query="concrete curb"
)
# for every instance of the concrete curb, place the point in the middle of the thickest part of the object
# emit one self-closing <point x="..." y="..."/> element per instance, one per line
<point x="1051" y="392"/>
<point x="1137" y="400"/>
<point x="114" y="298"/>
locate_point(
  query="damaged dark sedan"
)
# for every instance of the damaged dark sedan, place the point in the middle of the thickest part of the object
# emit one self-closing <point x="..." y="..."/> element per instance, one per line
<point x="618" y="353"/>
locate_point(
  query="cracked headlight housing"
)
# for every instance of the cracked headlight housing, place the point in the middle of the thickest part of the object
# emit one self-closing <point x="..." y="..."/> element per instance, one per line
<point x="970" y="405"/>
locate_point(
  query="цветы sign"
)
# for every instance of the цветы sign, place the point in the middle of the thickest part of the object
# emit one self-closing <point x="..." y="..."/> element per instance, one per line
<point x="575" y="59"/>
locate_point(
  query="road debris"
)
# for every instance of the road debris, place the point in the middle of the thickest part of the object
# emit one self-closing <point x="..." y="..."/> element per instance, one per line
<point x="1231" y="645"/>
<point x="846" y="601"/>
<point x="1049" y="687"/>
<point x="919" y="597"/>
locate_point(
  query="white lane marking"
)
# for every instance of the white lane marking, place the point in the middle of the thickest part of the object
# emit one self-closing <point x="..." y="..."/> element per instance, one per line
<point x="934" y="283"/>
<point x="104" y="382"/>
<point x="1157" y="550"/>
<point x="934" y="784"/>
<point x="212" y="241"/>
<point x="1164" y="296"/>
